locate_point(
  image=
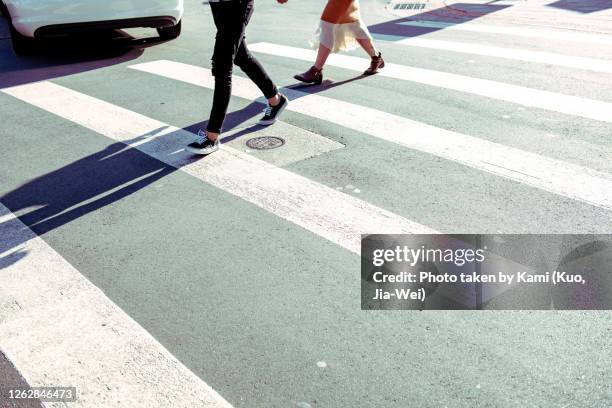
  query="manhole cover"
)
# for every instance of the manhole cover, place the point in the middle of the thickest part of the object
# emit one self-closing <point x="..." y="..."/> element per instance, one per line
<point x="265" y="142"/>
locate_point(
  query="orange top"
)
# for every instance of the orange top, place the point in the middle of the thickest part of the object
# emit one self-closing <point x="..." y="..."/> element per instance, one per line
<point x="341" y="11"/>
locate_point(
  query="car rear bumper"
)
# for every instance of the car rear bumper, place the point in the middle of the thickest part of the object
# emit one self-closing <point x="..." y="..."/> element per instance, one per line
<point x="58" y="30"/>
<point x="57" y="17"/>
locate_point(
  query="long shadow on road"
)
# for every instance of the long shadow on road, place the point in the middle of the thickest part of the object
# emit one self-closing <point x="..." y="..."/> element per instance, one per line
<point x="88" y="184"/>
<point x="84" y="186"/>
<point x="293" y="92"/>
<point x="107" y="176"/>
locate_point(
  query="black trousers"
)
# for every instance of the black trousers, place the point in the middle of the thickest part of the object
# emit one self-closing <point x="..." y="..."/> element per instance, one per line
<point x="231" y="19"/>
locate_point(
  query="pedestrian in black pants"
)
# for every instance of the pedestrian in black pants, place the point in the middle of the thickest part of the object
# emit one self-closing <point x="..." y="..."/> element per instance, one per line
<point x="231" y="19"/>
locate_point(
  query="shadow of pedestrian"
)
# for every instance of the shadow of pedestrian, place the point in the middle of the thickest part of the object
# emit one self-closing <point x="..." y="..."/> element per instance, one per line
<point x="80" y="188"/>
<point x="12" y="257"/>
<point x="255" y="108"/>
<point x="105" y="177"/>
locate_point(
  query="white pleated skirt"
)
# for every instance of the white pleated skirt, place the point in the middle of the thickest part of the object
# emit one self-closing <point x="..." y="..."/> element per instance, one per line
<point x="340" y="37"/>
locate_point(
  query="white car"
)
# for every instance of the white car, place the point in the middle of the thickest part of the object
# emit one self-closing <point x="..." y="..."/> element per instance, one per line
<point x="38" y="19"/>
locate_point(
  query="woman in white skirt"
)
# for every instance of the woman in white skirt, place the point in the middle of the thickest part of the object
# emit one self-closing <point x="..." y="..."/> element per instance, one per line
<point x="341" y="29"/>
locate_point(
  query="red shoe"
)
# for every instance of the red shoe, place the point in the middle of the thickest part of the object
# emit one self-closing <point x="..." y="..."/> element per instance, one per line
<point x="312" y="76"/>
<point x="376" y="65"/>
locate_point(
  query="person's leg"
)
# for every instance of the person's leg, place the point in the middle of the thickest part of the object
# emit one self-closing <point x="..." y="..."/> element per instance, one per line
<point x="314" y="75"/>
<point x="364" y="38"/>
<point x="326" y="44"/>
<point x="227" y="17"/>
<point x="368" y="46"/>
<point x="256" y="73"/>
<point x="251" y="66"/>
<point x="377" y="62"/>
<point x="322" y="55"/>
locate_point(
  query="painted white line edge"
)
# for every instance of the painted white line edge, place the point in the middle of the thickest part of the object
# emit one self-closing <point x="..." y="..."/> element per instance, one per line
<point x="552" y="101"/>
<point x="583" y="63"/>
<point x="521" y="31"/>
<point x="331" y="214"/>
<point x="58" y="329"/>
<point x="556" y="176"/>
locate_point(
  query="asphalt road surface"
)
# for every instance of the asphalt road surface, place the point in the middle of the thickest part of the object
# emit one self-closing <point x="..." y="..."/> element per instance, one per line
<point x="243" y="268"/>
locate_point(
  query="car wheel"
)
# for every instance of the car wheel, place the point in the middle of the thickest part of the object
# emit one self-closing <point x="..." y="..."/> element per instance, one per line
<point x="170" y="33"/>
<point x="22" y="45"/>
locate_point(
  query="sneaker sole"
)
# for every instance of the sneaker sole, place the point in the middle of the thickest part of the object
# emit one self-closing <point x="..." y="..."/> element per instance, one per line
<point x="201" y="152"/>
<point x="272" y="121"/>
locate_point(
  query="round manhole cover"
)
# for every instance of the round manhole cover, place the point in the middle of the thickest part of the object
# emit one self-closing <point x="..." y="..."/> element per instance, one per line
<point x="265" y="142"/>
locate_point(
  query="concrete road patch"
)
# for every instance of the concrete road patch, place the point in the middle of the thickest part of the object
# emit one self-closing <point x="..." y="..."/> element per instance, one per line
<point x="300" y="144"/>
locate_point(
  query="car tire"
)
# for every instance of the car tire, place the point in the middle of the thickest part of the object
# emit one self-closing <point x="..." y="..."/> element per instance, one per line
<point x="170" y="33"/>
<point x="22" y="45"/>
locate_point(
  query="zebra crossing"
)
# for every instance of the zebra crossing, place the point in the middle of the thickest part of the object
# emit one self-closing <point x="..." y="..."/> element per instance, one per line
<point x="60" y="290"/>
<point x="529" y="32"/>
<point x="323" y="210"/>
<point x="552" y="101"/>
<point x="541" y="57"/>
<point x="552" y="175"/>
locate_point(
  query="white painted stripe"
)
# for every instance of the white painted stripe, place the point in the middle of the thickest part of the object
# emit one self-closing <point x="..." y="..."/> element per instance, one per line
<point x="567" y="104"/>
<point x="548" y="174"/>
<point x="588" y="64"/>
<point x="521" y="31"/>
<point x="58" y="329"/>
<point x="334" y="215"/>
